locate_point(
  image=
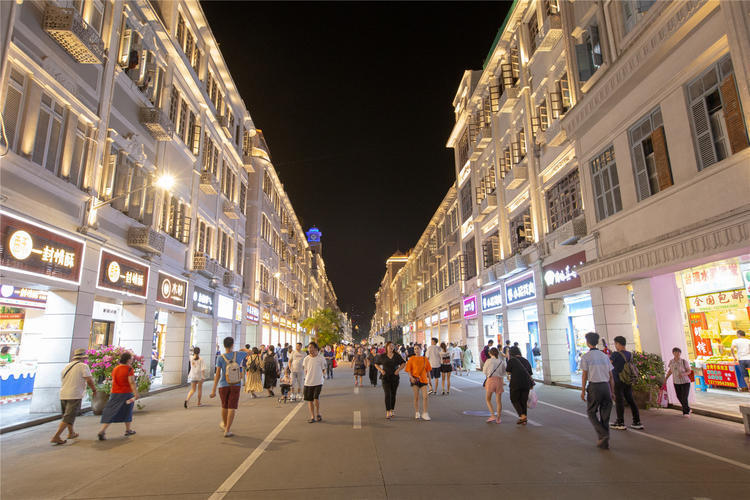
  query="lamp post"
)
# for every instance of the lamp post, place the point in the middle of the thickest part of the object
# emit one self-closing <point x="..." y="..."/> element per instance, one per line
<point x="91" y="207"/>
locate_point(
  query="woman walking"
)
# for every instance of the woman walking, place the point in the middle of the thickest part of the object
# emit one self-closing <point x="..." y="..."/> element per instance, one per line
<point x="372" y="369"/>
<point x="445" y="367"/>
<point x="270" y="370"/>
<point x="119" y="408"/>
<point x="359" y="363"/>
<point x="520" y="382"/>
<point x="253" y="382"/>
<point x="196" y="376"/>
<point x="468" y="361"/>
<point x="494" y="370"/>
<point x="389" y="365"/>
<point x="679" y="369"/>
<point x="418" y="368"/>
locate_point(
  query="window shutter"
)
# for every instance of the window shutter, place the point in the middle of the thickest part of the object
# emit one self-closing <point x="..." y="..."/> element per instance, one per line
<point x="555" y="99"/>
<point x="585" y="66"/>
<point x="733" y="115"/>
<point x="11" y="113"/>
<point x="507" y="75"/>
<point x="661" y="158"/>
<point x="196" y="145"/>
<point x="706" y="152"/>
<point x="595" y="42"/>
<point x="41" y="137"/>
<point x="185" y="236"/>
<point x="123" y="55"/>
<point x="495" y="96"/>
<point x="641" y="172"/>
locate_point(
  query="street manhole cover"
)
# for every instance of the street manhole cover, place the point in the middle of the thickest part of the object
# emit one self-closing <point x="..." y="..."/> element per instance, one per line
<point x="477" y="413"/>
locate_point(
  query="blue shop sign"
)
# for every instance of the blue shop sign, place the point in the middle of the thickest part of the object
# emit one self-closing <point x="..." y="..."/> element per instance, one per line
<point x="492" y="300"/>
<point x="518" y="291"/>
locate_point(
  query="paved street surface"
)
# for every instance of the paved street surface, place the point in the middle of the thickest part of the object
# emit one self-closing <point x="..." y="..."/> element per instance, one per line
<point x="356" y="453"/>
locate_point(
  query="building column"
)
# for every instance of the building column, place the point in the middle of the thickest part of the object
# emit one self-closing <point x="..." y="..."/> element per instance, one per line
<point x="553" y="340"/>
<point x="613" y="313"/>
<point x="175" y="359"/>
<point x="137" y="329"/>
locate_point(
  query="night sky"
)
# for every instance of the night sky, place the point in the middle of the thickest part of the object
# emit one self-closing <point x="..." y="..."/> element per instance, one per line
<point x="354" y="100"/>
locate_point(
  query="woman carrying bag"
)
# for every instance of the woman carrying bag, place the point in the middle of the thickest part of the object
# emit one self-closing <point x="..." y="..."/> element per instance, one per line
<point x="520" y="383"/>
<point x="494" y="370"/>
<point x="680" y="371"/>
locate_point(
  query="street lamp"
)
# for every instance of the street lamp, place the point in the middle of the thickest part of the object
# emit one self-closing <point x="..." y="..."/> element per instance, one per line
<point x="91" y="207"/>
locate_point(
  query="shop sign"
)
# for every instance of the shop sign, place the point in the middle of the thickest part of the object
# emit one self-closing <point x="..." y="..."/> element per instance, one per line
<point x="434" y="320"/>
<point x="428" y="321"/>
<point x="420" y="324"/>
<point x="733" y="299"/>
<point x="520" y="290"/>
<point x="492" y="299"/>
<point x="171" y="290"/>
<point x="470" y="307"/>
<point x="266" y="317"/>
<point x="720" y="375"/>
<point x="225" y="307"/>
<point x="275" y="319"/>
<point x="561" y="276"/>
<point x="122" y="274"/>
<point x="238" y="311"/>
<point x="203" y="301"/>
<point x="23" y="297"/>
<point x="701" y="345"/>
<point x="30" y="248"/>
<point x="745" y="270"/>
<point x="712" y="278"/>
<point x="444" y="316"/>
<point x="455" y="312"/>
<point x="252" y="313"/>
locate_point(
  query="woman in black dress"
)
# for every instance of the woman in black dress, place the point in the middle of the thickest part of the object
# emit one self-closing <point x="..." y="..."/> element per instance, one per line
<point x="359" y="363"/>
<point x="389" y="365"/>
<point x="270" y="371"/>
<point x="521" y="382"/>
<point x="372" y="369"/>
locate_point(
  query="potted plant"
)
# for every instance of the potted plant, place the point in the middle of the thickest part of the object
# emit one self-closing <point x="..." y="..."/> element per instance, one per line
<point x="102" y="361"/>
<point x="651" y="378"/>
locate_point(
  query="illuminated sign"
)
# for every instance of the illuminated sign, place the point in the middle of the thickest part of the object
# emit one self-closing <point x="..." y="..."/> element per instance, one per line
<point x="470" y="307"/>
<point x="266" y="317"/>
<point x="31" y="248"/>
<point x="225" y="308"/>
<point x="434" y="319"/>
<point x="252" y="312"/>
<point x="420" y="324"/>
<point x="427" y="321"/>
<point x="444" y="316"/>
<point x="733" y="299"/>
<point x="313" y="235"/>
<point x="455" y="312"/>
<point x="171" y="290"/>
<point x="492" y="299"/>
<point x="722" y="375"/>
<point x="238" y="311"/>
<point x="562" y="275"/>
<point x="122" y="274"/>
<point x="203" y="301"/>
<point x="23" y="297"/>
<point x="275" y="319"/>
<point x="711" y="278"/>
<point x="521" y="289"/>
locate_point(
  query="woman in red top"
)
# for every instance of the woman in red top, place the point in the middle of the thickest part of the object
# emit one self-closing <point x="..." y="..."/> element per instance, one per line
<point x="418" y="368"/>
<point x="124" y="393"/>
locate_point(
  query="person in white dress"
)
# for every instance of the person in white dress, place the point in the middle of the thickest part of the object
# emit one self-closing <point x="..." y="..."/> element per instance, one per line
<point x="196" y="376"/>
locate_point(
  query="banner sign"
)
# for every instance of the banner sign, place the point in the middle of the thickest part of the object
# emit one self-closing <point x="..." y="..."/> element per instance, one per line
<point x="470" y="307"/>
<point x="561" y="276"/>
<point x="171" y="290"/>
<point x="252" y="312"/>
<point x="720" y="375"/>
<point x="733" y="299"/>
<point x="455" y="312"/>
<point x="492" y="299"/>
<point x="122" y="274"/>
<point x="23" y="297"/>
<point x="203" y="301"/>
<point x="520" y="290"/>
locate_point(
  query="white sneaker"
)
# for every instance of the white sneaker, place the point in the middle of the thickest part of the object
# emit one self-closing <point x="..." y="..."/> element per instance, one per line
<point x="426" y="416"/>
<point x="417" y="416"/>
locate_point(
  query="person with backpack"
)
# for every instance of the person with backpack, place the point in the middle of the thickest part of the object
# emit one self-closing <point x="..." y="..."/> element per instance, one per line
<point x="253" y="364"/>
<point x="625" y="374"/>
<point x="229" y="379"/>
<point x="270" y="371"/>
<point x="196" y="376"/>
<point x="485" y="354"/>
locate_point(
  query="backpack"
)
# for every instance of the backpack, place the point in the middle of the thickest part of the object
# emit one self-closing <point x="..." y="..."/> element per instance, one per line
<point x="232" y="370"/>
<point x="253" y="366"/>
<point x="629" y="374"/>
<point x="269" y="365"/>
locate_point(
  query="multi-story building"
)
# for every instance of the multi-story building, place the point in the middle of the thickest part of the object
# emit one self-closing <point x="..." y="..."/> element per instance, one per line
<point x="602" y="175"/>
<point x="103" y="103"/>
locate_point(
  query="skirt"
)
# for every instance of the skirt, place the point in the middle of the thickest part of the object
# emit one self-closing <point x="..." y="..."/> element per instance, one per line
<point x="359" y="370"/>
<point x="269" y="382"/>
<point x="117" y="409"/>
<point x="253" y="382"/>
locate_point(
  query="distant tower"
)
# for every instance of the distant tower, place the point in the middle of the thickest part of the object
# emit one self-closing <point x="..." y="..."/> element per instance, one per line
<point x="313" y="238"/>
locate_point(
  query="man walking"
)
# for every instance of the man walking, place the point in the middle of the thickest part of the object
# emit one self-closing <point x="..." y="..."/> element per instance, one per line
<point x="623" y="390"/>
<point x="433" y="356"/>
<point x="537" y="353"/>
<point x="229" y="378"/>
<point x="298" y="373"/>
<point x="741" y="354"/>
<point x="597" y="371"/>
<point x="75" y="376"/>
<point x="315" y="368"/>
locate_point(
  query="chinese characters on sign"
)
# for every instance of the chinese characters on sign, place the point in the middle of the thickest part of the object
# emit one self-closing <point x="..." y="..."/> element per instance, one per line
<point x="492" y="299"/>
<point x="720" y="375"/>
<point x="520" y="290"/>
<point x="203" y="301"/>
<point x="733" y="299"/>
<point x="470" y="306"/>
<point x="122" y="274"/>
<point x="698" y="324"/>
<point x="171" y="290"/>
<point x="23" y="297"/>
<point x="444" y="316"/>
<point x="455" y="312"/>
<point x="714" y="278"/>
<point x="561" y="276"/>
<point x="252" y="312"/>
<point x="31" y="248"/>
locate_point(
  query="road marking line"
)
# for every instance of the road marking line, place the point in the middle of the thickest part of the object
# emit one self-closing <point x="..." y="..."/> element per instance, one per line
<point x="227" y="485"/>
<point x="532" y="422"/>
<point x="667" y="441"/>
<point x="456" y="389"/>
<point x="357" y="420"/>
<point x="356" y="389"/>
<point x="469" y="380"/>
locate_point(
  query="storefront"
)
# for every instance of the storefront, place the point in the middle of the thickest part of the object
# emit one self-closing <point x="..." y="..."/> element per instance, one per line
<point x="225" y="314"/>
<point x="420" y="337"/>
<point x="470" y="313"/>
<point x="266" y="328"/>
<point x="168" y="343"/>
<point x="715" y="301"/>
<point x="454" y="325"/>
<point x="252" y="327"/>
<point x="444" y="328"/>
<point x="202" y="323"/>
<point x="521" y="311"/>
<point x="492" y="317"/>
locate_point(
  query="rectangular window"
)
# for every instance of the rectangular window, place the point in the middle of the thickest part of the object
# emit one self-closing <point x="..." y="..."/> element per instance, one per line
<point x="49" y="136"/>
<point x="80" y="155"/>
<point x="243" y="197"/>
<point x="182" y="127"/>
<point x="589" y="53"/>
<point x="265" y="278"/>
<point x="632" y="11"/>
<point x="718" y="124"/>
<point x="12" y="107"/>
<point x="463" y="149"/>
<point x="267" y="184"/>
<point x="606" y="184"/>
<point x="521" y="233"/>
<point x="564" y="200"/>
<point x="174" y="105"/>
<point x="542" y="115"/>
<point x="533" y="32"/>
<point x="466" y="202"/>
<point x="470" y="260"/>
<point x="648" y="146"/>
<point x="491" y="250"/>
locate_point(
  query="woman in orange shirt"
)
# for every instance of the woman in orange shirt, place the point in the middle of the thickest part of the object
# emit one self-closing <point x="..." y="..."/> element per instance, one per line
<point x="124" y="393"/>
<point x="418" y="368"/>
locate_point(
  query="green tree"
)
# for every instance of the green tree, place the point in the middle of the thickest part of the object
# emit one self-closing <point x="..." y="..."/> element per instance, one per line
<point x="325" y="327"/>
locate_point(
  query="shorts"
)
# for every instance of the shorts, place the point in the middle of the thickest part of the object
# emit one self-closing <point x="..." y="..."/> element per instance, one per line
<point x="311" y="392"/>
<point x="744" y="367"/>
<point x="230" y="396"/>
<point x="435" y="372"/>
<point x="285" y="389"/>
<point x="446" y="368"/>
<point x="418" y="384"/>
<point x="70" y="410"/>
<point x="456" y="364"/>
<point x="494" y="385"/>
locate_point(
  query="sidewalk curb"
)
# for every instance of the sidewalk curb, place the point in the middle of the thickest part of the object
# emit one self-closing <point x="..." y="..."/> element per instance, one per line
<point x="698" y="411"/>
<point x="52" y="418"/>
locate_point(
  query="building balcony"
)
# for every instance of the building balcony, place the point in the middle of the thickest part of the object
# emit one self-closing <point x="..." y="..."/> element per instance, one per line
<point x="514" y="264"/>
<point x="247" y="162"/>
<point x="555" y="134"/>
<point x="568" y="233"/>
<point x="205" y="265"/>
<point x="209" y="183"/>
<point x="488" y="204"/>
<point x="550" y="33"/>
<point x="233" y="280"/>
<point x="156" y="122"/>
<point x="147" y="239"/>
<point x="231" y="210"/>
<point x="516" y="176"/>
<point x="483" y="138"/>
<point x="72" y="33"/>
<point x="224" y="124"/>
<point x="508" y="99"/>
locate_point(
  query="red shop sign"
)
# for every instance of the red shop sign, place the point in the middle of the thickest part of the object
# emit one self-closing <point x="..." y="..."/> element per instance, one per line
<point x="720" y="375"/>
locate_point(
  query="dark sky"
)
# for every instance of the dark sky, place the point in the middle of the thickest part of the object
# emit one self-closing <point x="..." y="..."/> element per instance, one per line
<point x="354" y="100"/>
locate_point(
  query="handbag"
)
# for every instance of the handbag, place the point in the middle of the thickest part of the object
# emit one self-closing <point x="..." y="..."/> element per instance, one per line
<point x="487" y="378"/>
<point x="690" y="373"/>
<point x="533" y="399"/>
<point x="334" y="364"/>
<point x="663" y="398"/>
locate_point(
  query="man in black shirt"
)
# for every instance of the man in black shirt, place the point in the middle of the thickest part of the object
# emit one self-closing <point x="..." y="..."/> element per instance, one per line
<point x="623" y="391"/>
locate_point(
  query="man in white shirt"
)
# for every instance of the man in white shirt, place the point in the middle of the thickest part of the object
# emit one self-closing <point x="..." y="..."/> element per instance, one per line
<point x="597" y="371"/>
<point x="298" y="372"/>
<point x="456" y="355"/>
<point x="433" y="356"/>
<point x="741" y="354"/>
<point x="75" y="376"/>
<point x="315" y="369"/>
